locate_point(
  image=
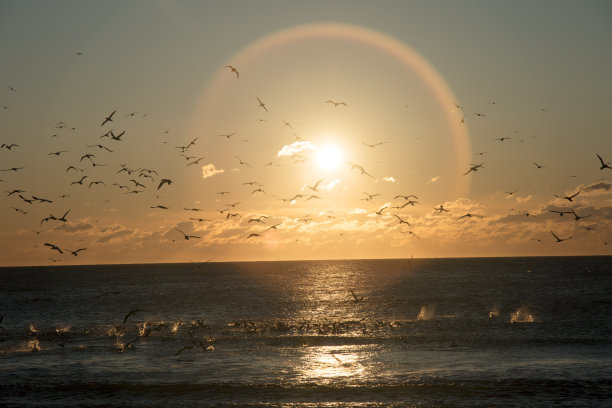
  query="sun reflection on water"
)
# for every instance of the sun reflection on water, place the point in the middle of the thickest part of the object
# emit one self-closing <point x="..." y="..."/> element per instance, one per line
<point x="327" y="363"/>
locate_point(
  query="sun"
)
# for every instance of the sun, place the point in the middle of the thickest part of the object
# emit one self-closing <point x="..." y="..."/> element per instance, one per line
<point x="328" y="157"/>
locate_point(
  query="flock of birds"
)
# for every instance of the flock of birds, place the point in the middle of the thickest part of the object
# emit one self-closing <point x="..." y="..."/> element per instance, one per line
<point x="138" y="180"/>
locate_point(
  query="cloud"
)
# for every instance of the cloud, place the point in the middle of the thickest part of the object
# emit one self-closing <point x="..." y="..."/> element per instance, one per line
<point x="209" y="170"/>
<point x="600" y="187"/>
<point x="390" y="179"/>
<point x="331" y="184"/>
<point x="296" y="147"/>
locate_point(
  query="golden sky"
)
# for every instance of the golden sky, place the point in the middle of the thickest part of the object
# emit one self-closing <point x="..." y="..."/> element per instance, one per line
<point x="346" y="130"/>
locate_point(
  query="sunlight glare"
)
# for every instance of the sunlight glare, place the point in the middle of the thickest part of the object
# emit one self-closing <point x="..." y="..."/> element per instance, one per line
<point x="328" y="157"/>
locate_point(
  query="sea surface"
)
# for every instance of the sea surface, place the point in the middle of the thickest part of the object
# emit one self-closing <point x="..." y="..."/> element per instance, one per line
<point x="485" y="332"/>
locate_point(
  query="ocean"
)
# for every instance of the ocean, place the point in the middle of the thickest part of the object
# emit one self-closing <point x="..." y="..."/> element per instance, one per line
<point x="478" y="332"/>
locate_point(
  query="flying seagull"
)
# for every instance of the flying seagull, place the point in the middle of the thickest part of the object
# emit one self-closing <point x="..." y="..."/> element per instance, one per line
<point x="109" y="118"/>
<point x="164" y="181"/>
<point x="559" y="239"/>
<point x="234" y="70"/>
<point x="185" y="235"/>
<point x="604" y="165"/>
<point x="55" y="247"/>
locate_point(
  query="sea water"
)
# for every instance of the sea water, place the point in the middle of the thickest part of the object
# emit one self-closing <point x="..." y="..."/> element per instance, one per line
<point x="490" y="332"/>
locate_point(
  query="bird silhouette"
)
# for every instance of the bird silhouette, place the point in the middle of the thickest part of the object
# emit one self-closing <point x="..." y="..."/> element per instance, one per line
<point x="164" y="181"/>
<point x="568" y="198"/>
<point x="109" y="118"/>
<point x="261" y="104"/>
<point x="559" y="239"/>
<point x="186" y="236"/>
<point x="54" y="247"/>
<point x="234" y="70"/>
<point x="336" y="103"/>
<point x="604" y="165"/>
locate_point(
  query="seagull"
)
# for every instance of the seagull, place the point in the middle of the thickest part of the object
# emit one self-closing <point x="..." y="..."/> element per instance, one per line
<point x="577" y="216"/>
<point x="560" y="212"/>
<point x="130" y="313"/>
<point x="185" y="235"/>
<point x="258" y="219"/>
<point x="164" y="181"/>
<point x="117" y="137"/>
<point x="15" y="191"/>
<point x="42" y="200"/>
<point x="569" y="198"/>
<point x="501" y="139"/>
<point x="287" y="124"/>
<point x="8" y="147"/>
<point x="441" y="208"/>
<point x="336" y="103"/>
<point x="539" y="166"/>
<point x="55" y="247"/>
<point x="272" y="227"/>
<point x="379" y="212"/>
<point x="95" y="183"/>
<point x="109" y="118"/>
<point x="228" y="135"/>
<point x="160" y="206"/>
<point x="401" y="220"/>
<point x="80" y="181"/>
<point x="470" y="215"/>
<point x="315" y="186"/>
<point x="233" y="205"/>
<point x="357" y="299"/>
<point x="374" y="145"/>
<point x="560" y="239"/>
<point x="369" y="196"/>
<point x="137" y="184"/>
<point x="263" y="105"/>
<point x="63" y="217"/>
<point x="482" y="115"/>
<point x="195" y="161"/>
<point x="253" y="235"/>
<point x="360" y="168"/>
<point x="15" y="169"/>
<point x="86" y="156"/>
<point x="99" y="146"/>
<point x="474" y="167"/>
<point x="234" y="70"/>
<point x="604" y="165"/>
<point x="75" y="253"/>
<point x="241" y="162"/>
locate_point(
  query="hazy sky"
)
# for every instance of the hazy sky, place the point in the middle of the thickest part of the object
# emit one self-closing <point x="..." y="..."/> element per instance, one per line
<point x="430" y="90"/>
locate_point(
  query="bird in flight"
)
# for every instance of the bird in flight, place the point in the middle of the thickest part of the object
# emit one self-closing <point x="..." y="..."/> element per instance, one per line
<point x="8" y="147"/>
<point x="569" y="198"/>
<point x="336" y="103"/>
<point x="164" y="181"/>
<point x="228" y="135"/>
<point x="401" y="220"/>
<point x="360" y="168"/>
<point x="560" y="212"/>
<point x="604" y="165"/>
<point x="263" y="105"/>
<point x="578" y="217"/>
<point x="109" y="118"/>
<point x="474" y="167"/>
<point x="185" y="235"/>
<point x="315" y="186"/>
<point x="441" y="208"/>
<point x="539" y="166"/>
<point x="234" y="70"/>
<point x="99" y="146"/>
<point x="54" y="247"/>
<point x="374" y="145"/>
<point x="75" y="253"/>
<point x="559" y="239"/>
<point x="501" y="139"/>
<point x="470" y="215"/>
<point x="242" y="162"/>
<point x="79" y="181"/>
